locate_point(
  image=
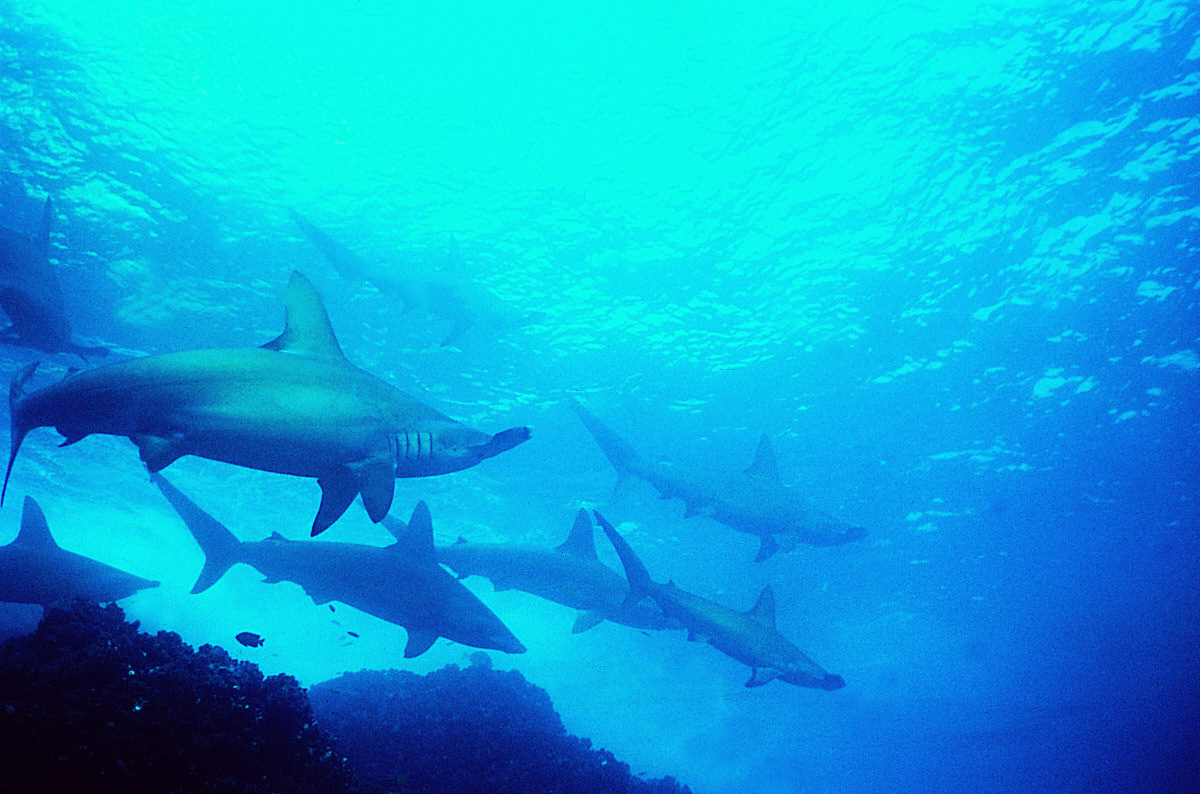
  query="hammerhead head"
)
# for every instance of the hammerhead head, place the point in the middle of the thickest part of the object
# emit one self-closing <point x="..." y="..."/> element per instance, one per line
<point x="749" y="637"/>
<point x="293" y="406"/>
<point x="431" y="288"/>
<point x="753" y="501"/>
<point x="30" y="293"/>
<point x="570" y="574"/>
<point x="36" y="570"/>
<point x="402" y="583"/>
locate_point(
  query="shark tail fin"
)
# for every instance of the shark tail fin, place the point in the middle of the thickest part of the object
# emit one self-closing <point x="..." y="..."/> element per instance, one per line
<point x="20" y="425"/>
<point x="640" y="583"/>
<point x="216" y="541"/>
<point x="620" y="453"/>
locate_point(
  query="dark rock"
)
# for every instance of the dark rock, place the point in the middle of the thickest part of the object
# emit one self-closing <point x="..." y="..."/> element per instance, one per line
<point x="458" y="730"/>
<point x="88" y="703"/>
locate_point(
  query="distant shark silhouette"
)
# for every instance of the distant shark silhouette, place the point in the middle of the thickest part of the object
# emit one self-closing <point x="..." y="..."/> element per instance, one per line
<point x="570" y="574"/>
<point x="31" y="296"/>
<point x="35" y="570"/>
<point x="753" y="501"/>
<point x="464" y="303"/>
<point x="402" y="583"/>
<point x="293" y="406"/>
<point x="749" y="637"/>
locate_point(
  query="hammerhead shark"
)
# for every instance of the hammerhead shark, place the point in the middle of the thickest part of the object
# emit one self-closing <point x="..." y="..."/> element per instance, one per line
<point x="753" y="501"/>
<point x="36" y="570"/>
<point x="433" y="290"/>
<point x="402" y="583"/>
<point x="749" y="637"/>
<point x="293" y="406"/>
<point x="570" y="574"/>
<point x="30" y="293"/>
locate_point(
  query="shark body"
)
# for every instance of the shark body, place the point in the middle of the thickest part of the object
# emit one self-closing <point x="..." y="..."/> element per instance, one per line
<point x="570" y="574"/>
<point x="30" y="293"/>
<point x="752" y="501"/>
<point x="749" y="637"/>
<point x="36" y="570"/>
<point x="401" y="584"/>
<point x="293" y="406"/>
<point x="463" y="303"/>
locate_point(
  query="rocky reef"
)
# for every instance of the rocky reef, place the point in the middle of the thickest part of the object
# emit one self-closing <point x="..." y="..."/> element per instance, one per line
<point x="89" y="703"/>
<point x="466" y="729"/>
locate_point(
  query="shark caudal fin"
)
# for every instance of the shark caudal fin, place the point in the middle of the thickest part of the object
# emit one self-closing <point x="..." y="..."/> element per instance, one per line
<point x="218" y="543"/>
<point x="620" y="453"/>
<point x="347" y="263"/>
<point x="640" y="583"/>
<point x="19" y="427"/>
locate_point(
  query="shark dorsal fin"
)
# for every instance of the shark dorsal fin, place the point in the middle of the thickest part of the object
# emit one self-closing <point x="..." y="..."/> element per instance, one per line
<point x="277" y="536"/>
<point x="764" y="609"/>
<point x="417" y="538"/>
<point x="764" y="461"/>
<point x="35" y="532"/>
<point x="581" y="542"/>
<point x="306" y="325"/>
<point x="43" y="236"/>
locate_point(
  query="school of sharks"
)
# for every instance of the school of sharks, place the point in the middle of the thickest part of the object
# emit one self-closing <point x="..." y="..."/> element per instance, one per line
<point x="297" y="406"/>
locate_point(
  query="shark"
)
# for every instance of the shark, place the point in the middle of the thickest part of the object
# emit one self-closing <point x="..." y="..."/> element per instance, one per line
<point x="36" y="570"/>
<point x="754" y="501"/>
<point x="294" y="406"/>
<point x="30" y="293"/>
<point x="401" y="583"/>
<point x="749" y="637"/>
<point x="462" y="302"/>
<point x="570" y="574"/>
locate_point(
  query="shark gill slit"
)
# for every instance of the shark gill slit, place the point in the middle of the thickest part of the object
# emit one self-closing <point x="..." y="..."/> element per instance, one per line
<point x="408" y="446"/>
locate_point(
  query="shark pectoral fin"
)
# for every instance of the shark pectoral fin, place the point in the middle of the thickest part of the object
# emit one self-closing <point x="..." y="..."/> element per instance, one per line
<point x="378" y="479"/>
<point x="157" y="452"/>
<point x="762" y="675"/>
<point x="419" y="641"/>
<point x="338" y="489"/>
<point x="586" y="620"/>
<point x="767" y="548"/>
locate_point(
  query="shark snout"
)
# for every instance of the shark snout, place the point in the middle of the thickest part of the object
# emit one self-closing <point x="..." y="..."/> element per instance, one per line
<point x="467" y="442"/>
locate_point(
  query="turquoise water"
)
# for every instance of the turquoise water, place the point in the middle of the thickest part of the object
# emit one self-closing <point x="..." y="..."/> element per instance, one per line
<point x="943" y="253"/>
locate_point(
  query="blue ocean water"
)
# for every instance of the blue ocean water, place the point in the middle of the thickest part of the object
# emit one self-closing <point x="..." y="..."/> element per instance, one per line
<point x="943" y="253"/>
